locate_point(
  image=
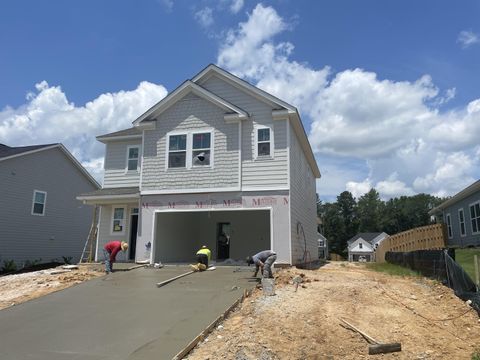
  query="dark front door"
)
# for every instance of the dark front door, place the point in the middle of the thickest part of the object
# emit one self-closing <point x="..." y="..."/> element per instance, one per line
<point x="133" y="237"/>
<point x="223" y="241"/>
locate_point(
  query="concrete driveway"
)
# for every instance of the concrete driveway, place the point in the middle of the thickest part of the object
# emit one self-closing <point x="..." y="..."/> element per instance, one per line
<point x="120" y="316"/>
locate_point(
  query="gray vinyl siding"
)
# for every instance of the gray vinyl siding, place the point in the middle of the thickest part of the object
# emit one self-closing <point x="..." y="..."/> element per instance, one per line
<point x="116" y="164"/>
<point x="188" y="114"/>
<point x="302" y="204"/>
<point x="470" y="239"/>
<point x="63" y="229"/>
<point x="260" y="173"/>
<point x="105" y="228"/>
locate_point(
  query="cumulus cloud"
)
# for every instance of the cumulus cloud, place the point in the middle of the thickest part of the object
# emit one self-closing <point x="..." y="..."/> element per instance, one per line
<point x="205" y="17"/>
<point x="49" y="117"/>
<point x="395" y="129"/>
<point x="467" y="38"/>
<point x="236" y="6"/>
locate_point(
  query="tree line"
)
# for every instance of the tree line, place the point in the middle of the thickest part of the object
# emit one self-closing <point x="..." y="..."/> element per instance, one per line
<point x="343" y="219"/>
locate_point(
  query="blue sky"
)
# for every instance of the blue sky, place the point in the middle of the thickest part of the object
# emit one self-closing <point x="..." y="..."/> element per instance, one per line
<point x="387" y="90"/>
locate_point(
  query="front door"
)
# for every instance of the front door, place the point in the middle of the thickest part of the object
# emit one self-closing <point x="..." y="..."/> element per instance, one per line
<point x="223" y="241"/>
<point x="133" y="237"/>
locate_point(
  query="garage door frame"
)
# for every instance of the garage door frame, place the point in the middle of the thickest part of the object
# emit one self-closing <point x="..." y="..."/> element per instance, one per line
<point x="159" y="211"/>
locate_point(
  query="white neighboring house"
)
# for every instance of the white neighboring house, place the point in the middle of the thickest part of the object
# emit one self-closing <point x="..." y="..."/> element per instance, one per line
<point x="362" y="246"/>
<point x="322" y="247"/>
<point x="217" y="162"/>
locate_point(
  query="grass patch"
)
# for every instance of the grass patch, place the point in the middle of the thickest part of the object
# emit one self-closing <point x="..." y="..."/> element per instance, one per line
<point x="464" y="257"/>
<point x="391" y="269"/>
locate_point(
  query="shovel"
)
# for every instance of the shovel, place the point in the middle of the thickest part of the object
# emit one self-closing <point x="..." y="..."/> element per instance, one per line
<point x="375" y="347"/>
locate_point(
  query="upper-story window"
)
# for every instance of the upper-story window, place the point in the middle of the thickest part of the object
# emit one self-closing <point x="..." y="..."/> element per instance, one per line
<point x="475" y="217"/>
<point x="360" y="246"/>
<point x="177" y="150"/>
<point x="263" y="142"/>
<point x="201" y="149"/>
<point x="190" y="149"/>
<point x="449" y="226"/>
<point x="39" y="202"/>
<point x="133" y="158"/>
<point x="461" y="220"/>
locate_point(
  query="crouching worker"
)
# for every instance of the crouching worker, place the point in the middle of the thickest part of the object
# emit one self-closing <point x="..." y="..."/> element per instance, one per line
<point x="110" y="251"/>
<point x="203" y="257"/>
<point x="263" y="261"/>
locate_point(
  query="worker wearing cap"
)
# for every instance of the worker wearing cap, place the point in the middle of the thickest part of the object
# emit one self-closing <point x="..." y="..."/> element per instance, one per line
<point x="263" y="261"/>
<point x="110" y="251"/>
<point x="203" y="257"/>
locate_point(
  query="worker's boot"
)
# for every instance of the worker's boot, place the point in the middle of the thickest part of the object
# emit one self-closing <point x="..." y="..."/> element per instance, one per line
<point x="194" y="267"/>
<point x="201" y="267"/>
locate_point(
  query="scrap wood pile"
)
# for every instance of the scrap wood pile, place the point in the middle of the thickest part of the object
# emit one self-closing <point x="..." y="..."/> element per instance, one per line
<point x="18" y="288"/>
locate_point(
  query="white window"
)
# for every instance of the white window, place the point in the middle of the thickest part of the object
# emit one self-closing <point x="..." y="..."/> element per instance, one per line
<point x="449" y="226"/>
<point x="190" y="149"/>
<point x="133" y="158"/>
<point x="201" y="149"/>
<point x="475" y="217"/>
<point x="360" y="246"/>
<point x="39" y="202"/>
<point x="118" y="220"/>
<point x="177" y="151"/>
<point x="263" y="142"/>
<point x="461" y="220"/>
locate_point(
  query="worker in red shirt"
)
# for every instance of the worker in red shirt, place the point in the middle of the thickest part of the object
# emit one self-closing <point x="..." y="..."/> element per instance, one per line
<point x="110" y="251"/>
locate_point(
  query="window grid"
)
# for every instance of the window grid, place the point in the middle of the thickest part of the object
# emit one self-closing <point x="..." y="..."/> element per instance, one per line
<point x="461" y="220"/>
<point x="475" y="217"/>
<point x="449" y="226"/>
<point x="38" y="203"/>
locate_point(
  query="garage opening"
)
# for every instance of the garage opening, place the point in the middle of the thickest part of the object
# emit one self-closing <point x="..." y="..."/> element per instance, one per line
<point x="228" y="234"/>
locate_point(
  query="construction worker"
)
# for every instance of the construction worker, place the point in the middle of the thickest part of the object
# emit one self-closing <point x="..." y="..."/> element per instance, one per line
<point x="263" y="261"/>
<point x="203" y="257"/>
<point x="110" y="251"/>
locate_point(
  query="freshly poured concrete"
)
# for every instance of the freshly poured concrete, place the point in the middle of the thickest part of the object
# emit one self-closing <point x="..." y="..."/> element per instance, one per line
<point x="120" y="316"/>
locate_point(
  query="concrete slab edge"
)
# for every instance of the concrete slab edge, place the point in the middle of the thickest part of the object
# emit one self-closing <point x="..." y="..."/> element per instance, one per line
<point x="210" y="327"/>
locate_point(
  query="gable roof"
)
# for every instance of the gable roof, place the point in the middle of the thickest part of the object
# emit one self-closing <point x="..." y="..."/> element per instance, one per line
<point x="289" y="110"/>
<point x="469" y="190"/>
<point x="368" y="237"/>
<point x="7" y="152"/>
<point x="184" y="89"/>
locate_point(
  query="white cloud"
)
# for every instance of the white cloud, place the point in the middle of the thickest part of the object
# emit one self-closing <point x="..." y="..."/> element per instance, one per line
<point x="48" y="117"/>
<point x="236" y="6"/>
<point x="391" y="127"/>
<point x="205" y="17"/>
<point x="467" y="38"/>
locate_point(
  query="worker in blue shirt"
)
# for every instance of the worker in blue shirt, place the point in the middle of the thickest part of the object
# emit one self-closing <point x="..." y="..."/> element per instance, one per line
<point x="263" y="261"/>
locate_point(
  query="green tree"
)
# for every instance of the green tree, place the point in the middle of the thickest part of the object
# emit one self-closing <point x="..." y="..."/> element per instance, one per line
<point x="334" y="228"/>
<point x="348" y="212"/>
<point x="369" y="210"/>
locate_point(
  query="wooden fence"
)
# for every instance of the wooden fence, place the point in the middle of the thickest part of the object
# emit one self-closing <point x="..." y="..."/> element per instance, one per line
<point x="429" y="237"/>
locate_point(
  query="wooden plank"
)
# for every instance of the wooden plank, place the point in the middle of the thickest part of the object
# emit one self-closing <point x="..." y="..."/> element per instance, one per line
<point x="384" y="348"/>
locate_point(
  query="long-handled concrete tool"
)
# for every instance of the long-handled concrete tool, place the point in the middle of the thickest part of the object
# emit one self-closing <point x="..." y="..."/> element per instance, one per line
<point x="375" y="346"/>
<point x="160" y="284"/>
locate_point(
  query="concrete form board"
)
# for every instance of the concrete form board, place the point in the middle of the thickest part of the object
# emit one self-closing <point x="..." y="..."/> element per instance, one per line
<point x="120" y="316"/>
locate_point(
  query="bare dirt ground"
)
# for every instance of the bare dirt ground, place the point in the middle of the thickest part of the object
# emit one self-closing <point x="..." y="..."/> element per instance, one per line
<point x="15" y="289"/>
<point x="424" y="316"/>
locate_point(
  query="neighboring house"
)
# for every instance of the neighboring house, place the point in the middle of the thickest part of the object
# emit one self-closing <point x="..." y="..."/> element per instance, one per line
<point x="362" y="246"/>
<point x="461" y="214"/>
<point x="217" y="162"/>
<point x="322" y="247"/>
<point x="40" y="217"/>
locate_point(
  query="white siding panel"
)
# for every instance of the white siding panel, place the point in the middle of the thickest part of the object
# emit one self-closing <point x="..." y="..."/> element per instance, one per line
<point x="115" y="164"/>
<point x="274" y="171"/>
<point x="188" y="114"/>
<point x="303" y="210"/>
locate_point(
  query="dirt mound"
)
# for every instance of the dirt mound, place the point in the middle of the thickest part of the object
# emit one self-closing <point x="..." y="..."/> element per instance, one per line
<point x="425" y="317"/>
<point x="15" y="289"/>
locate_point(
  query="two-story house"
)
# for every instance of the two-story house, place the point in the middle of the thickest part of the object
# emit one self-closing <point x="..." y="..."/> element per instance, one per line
<point x="217" y="162"/>
<point x="40" y="218"/>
